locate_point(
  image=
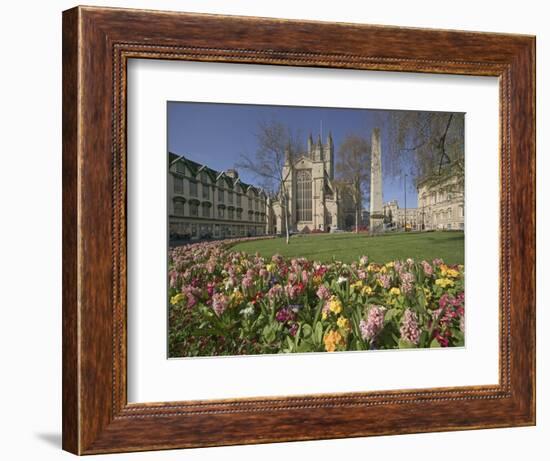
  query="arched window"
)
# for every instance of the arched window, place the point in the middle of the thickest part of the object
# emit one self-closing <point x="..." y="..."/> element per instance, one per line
<point x="303" y="195"/>
<point x="179" y="207"/>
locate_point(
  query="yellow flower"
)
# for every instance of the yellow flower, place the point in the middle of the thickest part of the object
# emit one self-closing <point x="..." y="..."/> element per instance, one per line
<point x="373" y="267"/>
<point x="357" y="285"/>
<point x="443" y="283"/>
<point x="237" y="297"/>
<point x="452" y="273"/>
<point x="270" y="267"/>
<point x="395" y="291"/>
<point x="335" y="305"/>
<point x="317" y="280"/>
<point x="389" y="265"/>
<point x="332" y="340"/>
<point x="427" y="294"/>
<point x="324" y="315"/>
<point x="367" y="290"/>
<point x="446" y="271"/>
<point x="343" y="323"/>
<point x="383" y="270"/>
<point x="176" y="299"/>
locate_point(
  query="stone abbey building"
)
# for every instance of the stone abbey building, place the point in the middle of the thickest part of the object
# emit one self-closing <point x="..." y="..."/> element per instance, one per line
<point x="314" y="200"/>
<point x="205" y="203"/>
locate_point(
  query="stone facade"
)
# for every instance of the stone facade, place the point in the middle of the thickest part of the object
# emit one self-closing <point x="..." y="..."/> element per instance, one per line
<point x="400" y="216"/>
<point x="441" y="200"/>
<point x="314" y="200"/>
<point x="440" y="204"/>
<point x="205" y="203"/>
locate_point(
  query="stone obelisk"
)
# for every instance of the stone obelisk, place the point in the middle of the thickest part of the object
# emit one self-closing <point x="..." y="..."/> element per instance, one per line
<point x="376" y="210"/>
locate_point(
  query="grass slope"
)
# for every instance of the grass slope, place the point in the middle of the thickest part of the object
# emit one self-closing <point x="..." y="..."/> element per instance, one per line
<point x="348" y="247"/>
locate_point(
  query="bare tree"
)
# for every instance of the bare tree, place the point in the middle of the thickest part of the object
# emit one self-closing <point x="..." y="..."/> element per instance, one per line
<point x="277" y="145"/>
<point x="353" y="168"/>
<point x="422" y="144"/>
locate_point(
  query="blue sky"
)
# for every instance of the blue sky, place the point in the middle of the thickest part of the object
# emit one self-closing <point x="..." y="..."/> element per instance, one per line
<point x="218" y="134"/>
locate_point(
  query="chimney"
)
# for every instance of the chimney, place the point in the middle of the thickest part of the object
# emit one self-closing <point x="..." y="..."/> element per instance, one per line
<point x="232" y="173"/>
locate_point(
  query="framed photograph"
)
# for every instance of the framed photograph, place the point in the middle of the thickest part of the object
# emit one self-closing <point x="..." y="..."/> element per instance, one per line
<point x="281" y="230"/>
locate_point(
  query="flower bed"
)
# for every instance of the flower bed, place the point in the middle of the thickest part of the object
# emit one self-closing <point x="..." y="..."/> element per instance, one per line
<point x="224" y="302"/>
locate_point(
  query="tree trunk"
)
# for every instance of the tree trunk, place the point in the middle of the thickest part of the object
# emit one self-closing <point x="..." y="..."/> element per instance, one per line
<point x="285" y="202"/>
<point x="286" y="226"/>
<point x="356" y="220"/>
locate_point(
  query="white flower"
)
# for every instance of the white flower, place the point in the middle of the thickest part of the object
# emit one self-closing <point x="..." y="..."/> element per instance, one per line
<point x="247" y="311"/>
<point x="342" y="280"/>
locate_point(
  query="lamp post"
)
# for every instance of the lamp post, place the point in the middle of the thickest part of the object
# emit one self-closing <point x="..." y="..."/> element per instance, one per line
<point x="405" y="193"/>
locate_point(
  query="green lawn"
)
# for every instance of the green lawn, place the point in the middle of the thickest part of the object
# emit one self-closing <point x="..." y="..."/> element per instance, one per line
<point x="347" y="247"/>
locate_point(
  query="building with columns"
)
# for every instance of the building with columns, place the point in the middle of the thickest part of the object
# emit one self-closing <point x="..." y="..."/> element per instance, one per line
<point x="205" y="203"/>
<point x="441" y="200"/>
<point x="314" y="200"/>
<point x="399" y="217"/>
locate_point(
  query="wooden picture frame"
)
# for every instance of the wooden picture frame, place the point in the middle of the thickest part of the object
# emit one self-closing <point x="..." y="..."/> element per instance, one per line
<point x="97" y="44"/>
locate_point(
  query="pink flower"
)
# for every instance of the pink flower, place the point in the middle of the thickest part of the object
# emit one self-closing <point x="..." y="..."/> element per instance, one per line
<point x="374" y="323"/>
<point x="191" y="300"/>
<point x="428" y="269"/>
<point x="323" y="292"/>
<point x="409" y="327"/>
<point x="247" y="282"/>
<point x="385" y="280"/>
<point x="407" y="281"/>
<point x="275" y="291"/>
<point x="219" y="303"/>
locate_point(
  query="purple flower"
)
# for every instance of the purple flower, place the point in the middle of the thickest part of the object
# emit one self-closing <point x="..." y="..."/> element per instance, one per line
<point x="374" y="323"/>
<point x="409" y="327"/>
<point x="293" y="329"/>
<point x="285" y="315"/>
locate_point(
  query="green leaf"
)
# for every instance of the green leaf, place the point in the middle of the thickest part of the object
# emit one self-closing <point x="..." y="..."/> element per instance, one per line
<point x="290" y="343"/>
<point x="391" y="314"/>
<point x="318" y="335"/>
<point x="435" y="343"/>
<point x="307" y="330"/>
<point x="424" y="339"/>
<point x="406" y="344"/>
